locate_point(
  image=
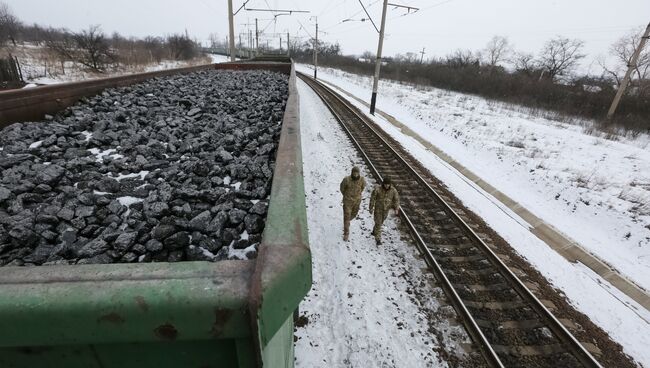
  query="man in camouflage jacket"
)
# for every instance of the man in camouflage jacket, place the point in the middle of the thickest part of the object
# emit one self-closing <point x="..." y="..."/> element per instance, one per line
<point x="383" y="198"/>
<point x="351" y="187"/>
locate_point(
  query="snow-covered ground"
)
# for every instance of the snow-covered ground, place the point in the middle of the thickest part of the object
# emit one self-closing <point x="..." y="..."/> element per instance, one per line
<point x="369" y="306"/>
<point x="219" y="58"/>
<point x="593" y="187"/>
<point x="75" y="73"/>
<point x="39" y="67"/>
<point x="533" y="160"/>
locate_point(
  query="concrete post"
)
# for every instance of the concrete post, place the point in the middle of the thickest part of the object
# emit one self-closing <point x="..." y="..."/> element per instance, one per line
<point x="375" y="82"/>
<point x="628" y="74"/>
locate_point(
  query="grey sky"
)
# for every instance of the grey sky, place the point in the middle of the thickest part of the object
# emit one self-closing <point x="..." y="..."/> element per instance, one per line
<point x="441" y="26"/>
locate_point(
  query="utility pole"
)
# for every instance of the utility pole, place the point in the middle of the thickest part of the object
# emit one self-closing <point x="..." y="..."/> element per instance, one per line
<point x="422" y="57"/>
<point x="316" y="51"/>
<point x="231" y="27"/>
<point x="628" y="74"/>
<point x="251" y="43"/>
<point x="375" y="82"/>
<point x="257" y="39"/>
<point x="288" y="46"/>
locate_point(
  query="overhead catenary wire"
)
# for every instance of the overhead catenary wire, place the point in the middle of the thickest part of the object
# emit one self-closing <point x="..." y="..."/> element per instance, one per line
<point x="304" y="29"/>
<point x="392" y="18"/>
<point x="351" y="16"/>
<point x="369" y="17"/>
<point x="328" y="6"/>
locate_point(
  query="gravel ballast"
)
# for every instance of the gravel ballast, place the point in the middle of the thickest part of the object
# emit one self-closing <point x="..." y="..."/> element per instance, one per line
<point x="173" y="169"/>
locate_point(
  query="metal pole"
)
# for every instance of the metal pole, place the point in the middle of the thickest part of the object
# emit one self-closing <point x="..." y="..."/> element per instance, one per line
<point x="257" y="39"/>
<point x="628" y="74"/>
<point x="375" y="83"/>
<point x="316" y="52"/>
<point x="231" y="26"/>
<point x="288" y="45"/>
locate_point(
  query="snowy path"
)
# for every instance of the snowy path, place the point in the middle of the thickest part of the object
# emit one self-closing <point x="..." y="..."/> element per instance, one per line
<point x="625" y="321"/>
<point x="363" y="308"/>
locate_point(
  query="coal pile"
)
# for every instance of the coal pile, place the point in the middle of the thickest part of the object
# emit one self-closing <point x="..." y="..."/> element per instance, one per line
<point x="173" y="169"/>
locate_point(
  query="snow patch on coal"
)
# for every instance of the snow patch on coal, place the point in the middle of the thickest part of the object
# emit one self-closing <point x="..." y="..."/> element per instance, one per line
<point x="136" y="174"/>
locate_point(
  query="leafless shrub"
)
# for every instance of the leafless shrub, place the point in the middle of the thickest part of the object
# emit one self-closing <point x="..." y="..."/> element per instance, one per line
<point x="88" y="47"/>
<point x="462" y="59"/>
<point x="525" y="63"/>
<point x="181" y="47"/>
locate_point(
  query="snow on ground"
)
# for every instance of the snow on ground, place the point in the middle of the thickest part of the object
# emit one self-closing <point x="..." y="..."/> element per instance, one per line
<point x="39" y="67"/>
<point x="219" y="58"/>
<point x="625" y="320"/>
<point x="594" y="189"/>
<point x="362" y="309"/>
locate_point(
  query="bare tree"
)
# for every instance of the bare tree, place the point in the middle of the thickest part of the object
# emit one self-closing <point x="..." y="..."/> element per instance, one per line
<point x="368" y="55"/>
<point x="9" y="25"/>
<point x="155" y="48"/>
<point x="89" y="47"/>
<point x="93" y="49"/>
<point x="622" y="51"/>
<point x="497" y="50"/>
<point x="559" y="56"/>
<point x="215" y="42"/>
<point x="462" y="58"/>
<point x="181" y="47"/>
<point x="60" y="42"/>
<point x="525" y="63"/>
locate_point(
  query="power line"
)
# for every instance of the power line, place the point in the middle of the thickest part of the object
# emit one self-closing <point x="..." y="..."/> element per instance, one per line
<point x="275" y="17"/>
<point x="353" y="15"/>
<point x="209" y="6"/>
<point x="329" y="4"/>
<point x="435" y="5"/>
<point x="241" y="7"/>
<point x="369" y="17"/>
<point x="304" y="29"/>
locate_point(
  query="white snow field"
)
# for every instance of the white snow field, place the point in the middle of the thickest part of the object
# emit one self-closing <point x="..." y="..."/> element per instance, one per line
<point x="216" y="58"/>
<point x="595" y="190"/>
<point x="369" y="306"/>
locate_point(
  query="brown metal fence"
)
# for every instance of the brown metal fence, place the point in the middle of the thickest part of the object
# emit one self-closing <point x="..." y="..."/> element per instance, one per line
<point x="10" y="73"/>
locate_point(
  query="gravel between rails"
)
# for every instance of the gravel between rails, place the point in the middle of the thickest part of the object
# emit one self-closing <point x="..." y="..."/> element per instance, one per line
<point x="177" y="168"/>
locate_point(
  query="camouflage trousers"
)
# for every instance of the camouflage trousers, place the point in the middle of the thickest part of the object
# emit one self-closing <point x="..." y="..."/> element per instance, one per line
<point x="380" y="217"/>
<point x="350" y="211"/>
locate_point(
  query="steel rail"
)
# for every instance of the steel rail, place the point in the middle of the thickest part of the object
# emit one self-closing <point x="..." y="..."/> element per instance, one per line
<point x="568" y="340"/>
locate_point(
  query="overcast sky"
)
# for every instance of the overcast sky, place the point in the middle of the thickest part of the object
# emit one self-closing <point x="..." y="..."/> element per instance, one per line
<point x="441" y="26"/>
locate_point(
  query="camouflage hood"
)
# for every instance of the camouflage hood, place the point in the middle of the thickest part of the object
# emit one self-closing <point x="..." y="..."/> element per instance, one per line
<point x="356" y="173"/>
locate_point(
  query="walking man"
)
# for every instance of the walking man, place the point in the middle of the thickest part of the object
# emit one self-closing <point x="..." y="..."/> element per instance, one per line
<point x="351" y="187"/>
<point x="383" y="198"/>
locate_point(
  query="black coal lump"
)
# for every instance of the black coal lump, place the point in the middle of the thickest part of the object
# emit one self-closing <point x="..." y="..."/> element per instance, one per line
<point x="176" y="168"/>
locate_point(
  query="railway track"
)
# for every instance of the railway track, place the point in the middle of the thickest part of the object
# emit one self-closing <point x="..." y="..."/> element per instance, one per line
<point x="507" y="323"/>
